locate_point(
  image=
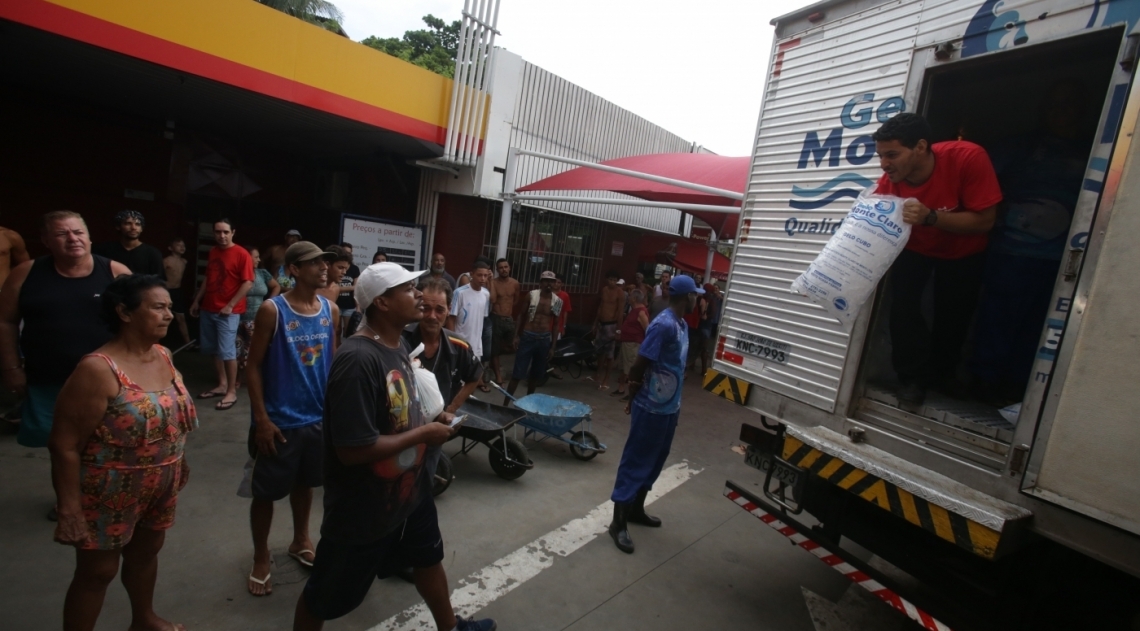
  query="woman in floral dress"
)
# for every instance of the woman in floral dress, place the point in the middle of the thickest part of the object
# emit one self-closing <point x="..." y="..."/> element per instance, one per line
<point x="117" y="447"/>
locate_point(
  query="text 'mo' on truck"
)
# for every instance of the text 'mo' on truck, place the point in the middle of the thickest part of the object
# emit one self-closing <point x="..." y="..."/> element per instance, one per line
<point x="1015" y="486"/>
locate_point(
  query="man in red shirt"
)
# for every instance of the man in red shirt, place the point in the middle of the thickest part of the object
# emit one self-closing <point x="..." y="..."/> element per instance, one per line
<point x="954" y="196"/>
<point x="229" y="275"/>
<point x="566" y="309"/>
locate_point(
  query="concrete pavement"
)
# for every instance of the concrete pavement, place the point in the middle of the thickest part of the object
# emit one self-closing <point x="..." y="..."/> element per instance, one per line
<point x="710" y="567"/>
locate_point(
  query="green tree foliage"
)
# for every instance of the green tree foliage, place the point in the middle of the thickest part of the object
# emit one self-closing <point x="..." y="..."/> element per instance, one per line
<point x="433" y="48"/>
<point x="320" y="12"/>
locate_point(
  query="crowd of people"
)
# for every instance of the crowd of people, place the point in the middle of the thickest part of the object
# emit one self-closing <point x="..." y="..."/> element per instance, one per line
<point x="323" y="350"/>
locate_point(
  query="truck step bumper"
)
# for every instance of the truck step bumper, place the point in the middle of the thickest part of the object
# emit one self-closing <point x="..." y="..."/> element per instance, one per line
<point x="974" y="521"/>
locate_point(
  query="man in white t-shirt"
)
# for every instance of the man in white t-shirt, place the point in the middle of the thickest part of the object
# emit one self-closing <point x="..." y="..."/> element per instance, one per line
<point x="470" y="305"/>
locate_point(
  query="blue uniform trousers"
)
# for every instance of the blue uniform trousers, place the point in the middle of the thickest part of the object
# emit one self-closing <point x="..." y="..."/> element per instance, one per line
<point x="650" y="437"/>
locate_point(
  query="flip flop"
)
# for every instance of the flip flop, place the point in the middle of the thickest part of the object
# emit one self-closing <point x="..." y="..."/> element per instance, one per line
<point x="211" y="394"/>
<point x="484" y="388"/>
<point x="262" y="582"/>
<point x="222" y="406"/>
<point x="617" y="393"/>
<point x="302" y="560"/>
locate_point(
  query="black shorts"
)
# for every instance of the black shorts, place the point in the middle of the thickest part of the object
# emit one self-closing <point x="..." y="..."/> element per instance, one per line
<point x="502" y="334"/>
<point x="177" y="301"/>
<point x="299" y="462"/>
<point x="343" y="572"/>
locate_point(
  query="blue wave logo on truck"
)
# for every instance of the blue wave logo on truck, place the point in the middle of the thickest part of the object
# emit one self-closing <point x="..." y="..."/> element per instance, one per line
<point x="824" y="195"/>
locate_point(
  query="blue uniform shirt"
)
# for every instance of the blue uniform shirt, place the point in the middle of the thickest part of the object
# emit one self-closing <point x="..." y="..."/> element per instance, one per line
<point x="666" y="345"/>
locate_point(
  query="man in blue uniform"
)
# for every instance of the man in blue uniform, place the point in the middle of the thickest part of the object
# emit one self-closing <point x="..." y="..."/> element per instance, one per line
<point x="655" y="403"/>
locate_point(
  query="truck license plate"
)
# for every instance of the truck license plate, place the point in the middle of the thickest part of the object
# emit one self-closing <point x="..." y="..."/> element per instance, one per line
<point x="783" y="472"/>
<point x="763" y="348"/>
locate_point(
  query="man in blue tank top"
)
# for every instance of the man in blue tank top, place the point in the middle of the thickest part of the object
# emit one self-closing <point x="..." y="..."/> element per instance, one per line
<point x="294" y="337"/>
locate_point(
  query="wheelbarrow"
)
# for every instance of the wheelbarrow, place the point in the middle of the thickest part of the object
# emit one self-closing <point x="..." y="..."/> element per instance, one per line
<point x="554" y="417"/>
<point x="486" y="424"/>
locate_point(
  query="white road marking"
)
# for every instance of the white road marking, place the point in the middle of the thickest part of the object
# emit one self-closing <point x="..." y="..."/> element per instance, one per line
<point x="497" y="579"/>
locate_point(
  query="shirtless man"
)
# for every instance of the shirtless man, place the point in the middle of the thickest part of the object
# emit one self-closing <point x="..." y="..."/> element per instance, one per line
<point x="174" y="268"/>
<point x="12" y="252"/>
<point x="275" y="260"/>
<point x="505" y="292"/>
<point x="535" y="342"/>
<point x="611" y="307"/>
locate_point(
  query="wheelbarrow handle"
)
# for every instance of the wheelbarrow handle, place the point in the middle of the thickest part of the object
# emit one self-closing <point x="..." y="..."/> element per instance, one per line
<point x="500" y="389"/>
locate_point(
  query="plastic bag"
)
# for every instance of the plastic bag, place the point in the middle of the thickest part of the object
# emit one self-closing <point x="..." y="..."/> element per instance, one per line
<point x="427" y="388"/>
<point x="856" y="257"/>
<point x="245" y="487"/>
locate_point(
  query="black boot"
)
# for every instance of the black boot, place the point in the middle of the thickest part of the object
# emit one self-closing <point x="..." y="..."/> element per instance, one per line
<point x="637" y="512"/>
<point x="618" y="529"/>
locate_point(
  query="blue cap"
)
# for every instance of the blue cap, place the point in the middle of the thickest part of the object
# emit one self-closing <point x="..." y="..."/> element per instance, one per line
<point x="683" y="285"/>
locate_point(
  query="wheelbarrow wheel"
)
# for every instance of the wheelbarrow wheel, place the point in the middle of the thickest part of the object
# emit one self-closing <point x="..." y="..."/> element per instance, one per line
<point x="584" y="438"/>
<point x="443" y="476"/>
<point x="504" y="468"/>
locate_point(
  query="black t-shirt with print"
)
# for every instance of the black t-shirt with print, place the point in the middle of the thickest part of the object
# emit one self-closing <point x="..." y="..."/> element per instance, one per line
<point x="453" y="364"/>
<point x="345" y="301"/>
<point x="371" y="392"/>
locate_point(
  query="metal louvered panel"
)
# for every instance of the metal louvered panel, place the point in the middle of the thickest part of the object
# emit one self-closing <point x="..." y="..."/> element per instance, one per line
<point x="828" y="90"/>
<point x="555" y="116"/>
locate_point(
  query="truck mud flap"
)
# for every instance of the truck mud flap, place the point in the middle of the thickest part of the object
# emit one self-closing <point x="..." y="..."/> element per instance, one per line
<point x="979" y="523"/>
<point x="725" y="387"/>
<point x="838" y="559"/>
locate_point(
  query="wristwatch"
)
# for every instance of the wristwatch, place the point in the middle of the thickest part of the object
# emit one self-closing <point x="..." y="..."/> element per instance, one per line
<point x="931" y="218"/>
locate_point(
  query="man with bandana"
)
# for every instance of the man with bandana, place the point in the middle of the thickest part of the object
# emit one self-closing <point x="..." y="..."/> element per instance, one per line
<point x="139" y="257"/>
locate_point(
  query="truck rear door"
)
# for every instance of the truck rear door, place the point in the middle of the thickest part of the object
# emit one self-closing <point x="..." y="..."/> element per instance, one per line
<point x="1089" y="436"/>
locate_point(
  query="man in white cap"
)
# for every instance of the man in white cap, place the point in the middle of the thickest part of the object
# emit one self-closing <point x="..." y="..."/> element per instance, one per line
<point x="379" y="513"/>
<point x="537" y="323"/>
<point x="653" y="410"/>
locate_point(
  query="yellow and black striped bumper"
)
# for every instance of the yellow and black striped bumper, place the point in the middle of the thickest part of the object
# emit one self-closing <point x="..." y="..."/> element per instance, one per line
<point x="731" y="388"/>
<point x="955" y="528"/>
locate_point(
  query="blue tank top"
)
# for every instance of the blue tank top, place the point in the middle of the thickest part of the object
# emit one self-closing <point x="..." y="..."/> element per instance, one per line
<point x="296" y="367"/>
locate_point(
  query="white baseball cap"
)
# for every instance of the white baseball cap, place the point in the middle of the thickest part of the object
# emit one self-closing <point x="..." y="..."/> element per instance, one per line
<point x="379" y="278"/>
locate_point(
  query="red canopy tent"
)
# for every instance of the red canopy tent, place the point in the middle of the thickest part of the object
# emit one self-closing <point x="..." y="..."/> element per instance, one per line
<point x="730" y="174"/>
<point x="687" y="254"/>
